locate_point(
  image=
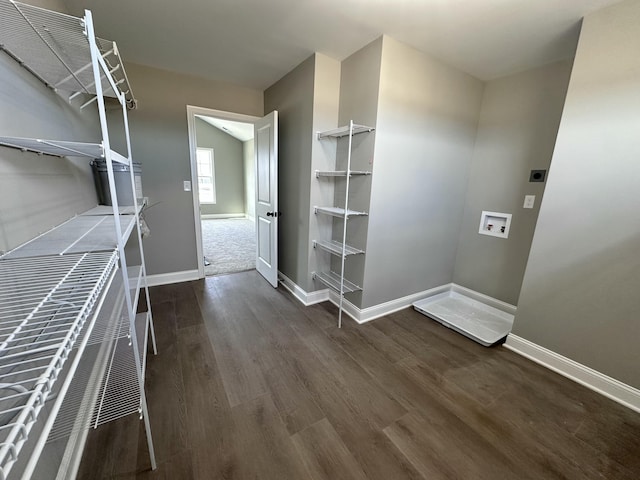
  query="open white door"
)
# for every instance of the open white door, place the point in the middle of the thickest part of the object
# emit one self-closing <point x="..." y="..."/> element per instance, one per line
<point x="266" y="147"/>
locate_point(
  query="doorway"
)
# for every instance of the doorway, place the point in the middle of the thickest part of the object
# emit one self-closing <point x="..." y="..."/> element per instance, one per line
<point x="224" y="188"/>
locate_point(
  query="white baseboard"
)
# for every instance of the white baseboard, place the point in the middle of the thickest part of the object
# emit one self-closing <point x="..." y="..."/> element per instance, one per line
<point x="609" y="387"/>
<point x="348" y="307"/>
<point x="306" y="298"/>
<point x="211" y="216"/>
<point x="364" y="315"/>
<point x="486" y="299"/>
<point x="359" y="315"/>
<point x="172" y="277"/>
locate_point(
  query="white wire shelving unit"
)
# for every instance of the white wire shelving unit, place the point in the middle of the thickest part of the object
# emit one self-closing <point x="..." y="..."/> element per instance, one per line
<point x="72" y="342"/>
<point x="336" y="281"/>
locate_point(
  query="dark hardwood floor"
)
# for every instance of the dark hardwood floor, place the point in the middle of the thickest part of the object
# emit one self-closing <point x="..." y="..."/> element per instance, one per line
<point x="250" y="384"/>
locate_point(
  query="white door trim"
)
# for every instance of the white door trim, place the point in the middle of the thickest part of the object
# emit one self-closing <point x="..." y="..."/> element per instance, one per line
<point x="192" y="111"/>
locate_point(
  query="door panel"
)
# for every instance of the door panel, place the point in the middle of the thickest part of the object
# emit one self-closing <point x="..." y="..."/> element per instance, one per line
<point x="266" y="141"/>
<point x="264" y="235"/>
<point x="263" y="144"/>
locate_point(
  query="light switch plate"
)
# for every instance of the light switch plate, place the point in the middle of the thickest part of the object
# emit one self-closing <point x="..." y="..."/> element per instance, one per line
<point x="529" y="201"/>
<point x="187" y="185"/>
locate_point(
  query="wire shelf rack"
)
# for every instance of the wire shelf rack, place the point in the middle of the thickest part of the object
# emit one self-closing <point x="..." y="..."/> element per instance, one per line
<point x="105" y="386"/>
<point x="63" y="61"/>
<point x="60" y="148"/>
<point x="344" y="131"/>
<point x="83" y="233"/>
<point x="340" y="173"/>
<point x="332" y="280"/>
<point x="44" y="306"/>
<point x="336" y="248"/>
<point x="339" y="212"/>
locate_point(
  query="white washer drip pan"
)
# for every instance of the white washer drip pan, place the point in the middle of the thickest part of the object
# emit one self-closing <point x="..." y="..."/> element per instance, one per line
<point x="480" y="322"/>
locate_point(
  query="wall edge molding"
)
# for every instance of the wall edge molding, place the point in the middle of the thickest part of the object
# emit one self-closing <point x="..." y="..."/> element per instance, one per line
<point x="304" y="297"/>
<point x="365" y="315"/>
<point x="486" y="299"/>
<point x="609" y="387"/>
<point x="172" y="277"/>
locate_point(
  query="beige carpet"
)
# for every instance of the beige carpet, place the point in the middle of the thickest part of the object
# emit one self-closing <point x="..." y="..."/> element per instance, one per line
<point x="229" y="245"/>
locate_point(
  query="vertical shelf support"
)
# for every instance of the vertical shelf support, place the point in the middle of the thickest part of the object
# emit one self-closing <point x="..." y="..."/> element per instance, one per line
<point x="344" y="225"/>
<point x="99" y="66"/>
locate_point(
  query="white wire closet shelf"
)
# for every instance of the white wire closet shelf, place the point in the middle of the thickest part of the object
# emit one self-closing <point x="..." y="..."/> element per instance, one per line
<point x="340" y="173"/>
<point x="93" y="397"/>
<point x="45" y="305"/>
<point x="338" y="212"/>
<point x="63" y="60"/>
<point x="335" y="247"/>
<point x="61" y="148"/>
<point x="83" y="233"/>
<point x="344" y="131"/>
<point x="102" y="210"/>
<point x="332" y="280"/>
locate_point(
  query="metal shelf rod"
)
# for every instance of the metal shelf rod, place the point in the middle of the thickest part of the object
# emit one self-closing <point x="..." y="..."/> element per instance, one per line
<point x="344" y="226"/>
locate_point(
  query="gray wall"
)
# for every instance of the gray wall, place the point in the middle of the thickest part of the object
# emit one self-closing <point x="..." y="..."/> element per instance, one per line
<point x="326" y="103"/>
<point x="580" y="292"/>
<point x="426" y="127"/>
<point x="228" y="163"/>
<point x="249" y="162"/>
<point x="56" y="5"/>
<point x="40" y="192"/>
<point x="517" y="131"/>
<point x="159" y="139"/>
<point x="292" y="96"/>
<point x="307" y="100"/>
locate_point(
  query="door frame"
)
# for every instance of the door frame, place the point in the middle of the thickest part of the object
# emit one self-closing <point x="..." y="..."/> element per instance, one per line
<point x="192" y="111"/>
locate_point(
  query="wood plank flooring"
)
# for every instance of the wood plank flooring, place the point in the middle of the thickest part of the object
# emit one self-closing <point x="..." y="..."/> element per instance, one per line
<point x="250" y="384"/>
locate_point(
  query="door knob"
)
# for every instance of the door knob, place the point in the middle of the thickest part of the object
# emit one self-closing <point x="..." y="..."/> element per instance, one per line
<point x="274" y="214"/>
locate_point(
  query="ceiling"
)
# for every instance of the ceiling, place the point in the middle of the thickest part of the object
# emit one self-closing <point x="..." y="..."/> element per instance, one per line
<point x="240" y="130"/>
<point x="254" y="43"/>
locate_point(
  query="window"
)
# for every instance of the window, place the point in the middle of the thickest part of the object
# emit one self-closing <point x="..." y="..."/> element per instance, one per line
<point x="206" y="175"/>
